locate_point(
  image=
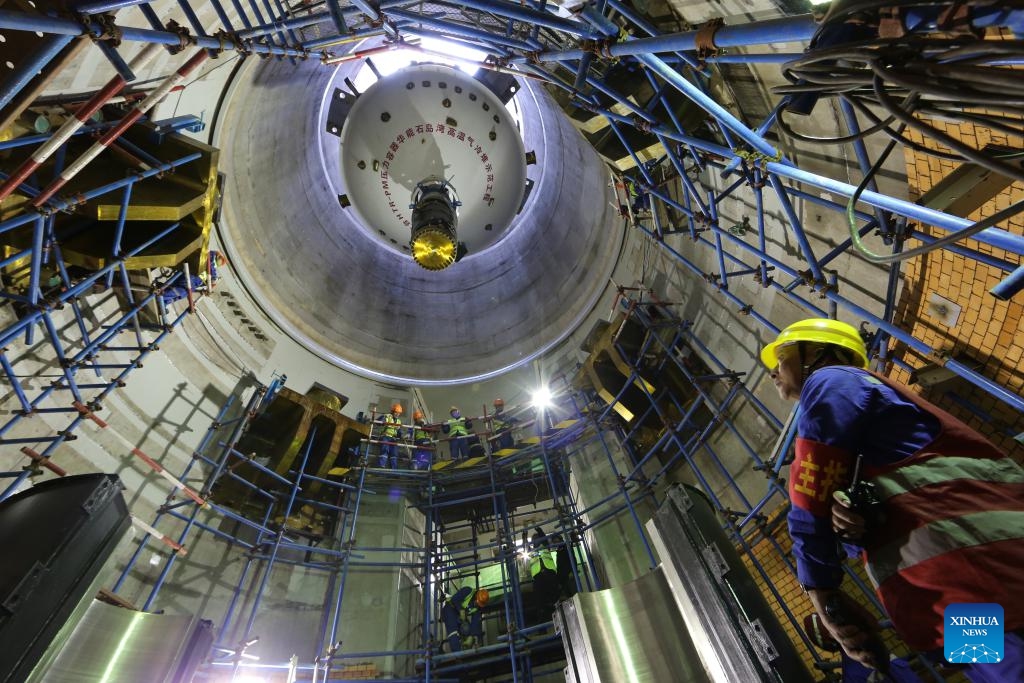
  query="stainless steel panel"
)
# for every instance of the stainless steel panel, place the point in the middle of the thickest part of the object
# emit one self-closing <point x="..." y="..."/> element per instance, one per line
<point x="112" y="644"/>
<point x="735" y="632"/>
<point x="629" y="634"/>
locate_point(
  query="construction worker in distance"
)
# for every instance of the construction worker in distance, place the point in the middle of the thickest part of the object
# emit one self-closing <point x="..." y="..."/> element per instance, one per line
<point x="501" y="427"/>
<point x="544" y="574"/>
<point x="936" y="511"/>
<point x="420" y="437"/>
<point x="461" y="616"/>
<point x="179" y="291"/>
<point x="457" y="428"/>
<point x="390" y="436"/>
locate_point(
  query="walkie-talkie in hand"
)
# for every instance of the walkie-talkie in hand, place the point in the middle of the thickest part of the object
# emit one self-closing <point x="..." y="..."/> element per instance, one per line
<point x="862" y="498"/>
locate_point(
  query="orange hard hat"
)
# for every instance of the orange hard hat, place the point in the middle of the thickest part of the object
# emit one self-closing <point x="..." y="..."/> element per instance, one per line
<point x="397" y="408"/>
<point x="499" y="402"/>
<point x="417" y="415"/>
<point x="482" y="597"/>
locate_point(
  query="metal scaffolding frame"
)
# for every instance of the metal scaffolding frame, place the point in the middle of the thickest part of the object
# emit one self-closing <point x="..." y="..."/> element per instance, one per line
<point x="567" y="53"/>
<point x="684" y="446"/>
<point x="747" y="515"/>
<point x="69" y="342"/>
<point x="490" y="479"/>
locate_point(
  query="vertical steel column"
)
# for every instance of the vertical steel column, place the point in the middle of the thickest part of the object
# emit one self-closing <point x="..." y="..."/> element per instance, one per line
<point x="32" y="65"/>
<point x="268" y="564"/>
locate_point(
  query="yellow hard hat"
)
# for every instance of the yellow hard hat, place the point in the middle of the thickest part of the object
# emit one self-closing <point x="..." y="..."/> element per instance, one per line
<point x="397" y="408"/>
<point x="482" y="597"/>
<point x="822" y="331"/>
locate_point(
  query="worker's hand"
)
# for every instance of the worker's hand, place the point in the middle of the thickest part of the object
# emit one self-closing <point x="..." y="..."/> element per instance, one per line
<point x="849" y="524"/>
<point x="856" y="630"/>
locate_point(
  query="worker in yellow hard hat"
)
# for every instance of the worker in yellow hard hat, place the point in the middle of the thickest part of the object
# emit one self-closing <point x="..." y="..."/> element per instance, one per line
<point x="457" y="428"/>
<point x="935" y="510"/>
<point x="390" y="435"/>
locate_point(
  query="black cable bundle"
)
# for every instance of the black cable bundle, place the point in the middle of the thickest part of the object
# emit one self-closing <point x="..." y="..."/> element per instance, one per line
<point x="960" y="79"/>
<point x="919" y="75"/>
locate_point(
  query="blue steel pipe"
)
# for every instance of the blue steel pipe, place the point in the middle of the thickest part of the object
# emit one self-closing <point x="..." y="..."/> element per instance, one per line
<point x="518" y="12"/>
<point x="250" y="559"/>
<point x="16" y="328"/>
<point x="798" y="229"/>
<point x="992" y="236"/>
<point x="699" y="273"/>
<point x="789" y="29"/>
<point x="297" y="22"/>
<point x="761" y="237"/>
<point x="106" y="6"/>
<point x="722" y="274"/>
<point x="919" y="346"/>
<point x="145" y="539"/>
<point x="815" y="310"/>
<point x="724" y="117"/>
<point x="337" y="15"/>
<point x="1009" y="287"/>
<point x="336" y="617"/>
<point x="641" y="23"/>
<point x="278" y="539"/>
<point x="484" y="37"/>
<point x="15" y="383"/>
<point x="679" y="126"/>
<point x="236" y="434"/>
<point x="32" y="140"/>
<point x="28" y="69"/>
<point x="367" y="8"/>
<point x="19" y="21"/>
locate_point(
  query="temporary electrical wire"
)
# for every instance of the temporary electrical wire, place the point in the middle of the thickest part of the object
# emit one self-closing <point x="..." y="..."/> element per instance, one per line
<point x="918" y="76"/>
<point x="858" y="243"/>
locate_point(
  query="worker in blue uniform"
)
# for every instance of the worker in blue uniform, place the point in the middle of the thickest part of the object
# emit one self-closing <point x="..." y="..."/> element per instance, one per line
<point x="462" y="619"/>
<point x="457" y="428"/>
<point x="501" y="426"/>
<point x="390" y="436"/>
<point x="178" y="291"/>
<point x="421" y="438"/>
<point x="934" y="509"/>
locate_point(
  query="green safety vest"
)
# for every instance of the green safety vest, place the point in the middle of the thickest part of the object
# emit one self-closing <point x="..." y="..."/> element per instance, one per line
<point x="457" y="427"/>
<point x="542" y="559"/>
<point x="497" y="424"/>
<point x="391" y="428"/>
<point x="420" y="434"/>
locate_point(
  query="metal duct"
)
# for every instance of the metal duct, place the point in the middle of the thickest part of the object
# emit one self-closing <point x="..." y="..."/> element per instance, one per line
<point x="628" y="634"/>
<point x="56" y="537"/>
<point x="736" y="634"/>
<point x="117" y="644"/>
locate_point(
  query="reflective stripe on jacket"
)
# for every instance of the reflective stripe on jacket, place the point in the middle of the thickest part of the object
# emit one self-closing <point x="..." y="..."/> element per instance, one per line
<point x="953" y="531"/>
<point x="391" y="426"/>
